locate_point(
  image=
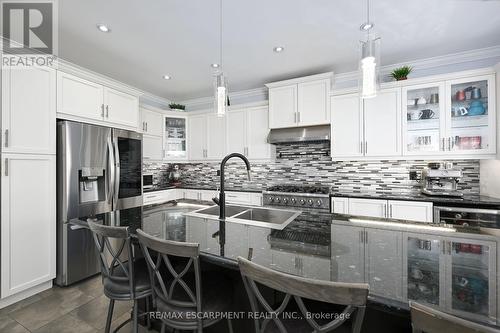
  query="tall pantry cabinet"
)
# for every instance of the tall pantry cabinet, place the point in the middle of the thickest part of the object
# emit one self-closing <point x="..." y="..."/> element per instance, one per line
<point x="28" y="182"/>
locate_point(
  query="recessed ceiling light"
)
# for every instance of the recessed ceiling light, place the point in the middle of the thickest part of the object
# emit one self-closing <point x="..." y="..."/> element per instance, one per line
<point x="103" y="28"/>
<point x="167" y="77"/>
<point x="214" y="65"/>
<point x="278" y="49"/>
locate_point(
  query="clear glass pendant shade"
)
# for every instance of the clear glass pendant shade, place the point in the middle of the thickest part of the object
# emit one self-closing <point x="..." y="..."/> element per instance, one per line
<point x="369" y="67"/>
<point x="220" y="94"/>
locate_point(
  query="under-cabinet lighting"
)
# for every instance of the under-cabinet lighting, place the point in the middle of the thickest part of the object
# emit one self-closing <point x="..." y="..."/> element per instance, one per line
<point x="405" y="225"/>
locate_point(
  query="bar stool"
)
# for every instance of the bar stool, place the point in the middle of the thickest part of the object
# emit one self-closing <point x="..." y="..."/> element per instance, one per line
<point x="429" y="320"/>
<point x="178" y="290"/>
<point x="123" y="277"/>
<point x="352" y="295"/>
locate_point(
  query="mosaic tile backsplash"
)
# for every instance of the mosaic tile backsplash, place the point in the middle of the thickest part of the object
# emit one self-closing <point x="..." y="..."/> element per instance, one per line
<point x="310" y="164"/>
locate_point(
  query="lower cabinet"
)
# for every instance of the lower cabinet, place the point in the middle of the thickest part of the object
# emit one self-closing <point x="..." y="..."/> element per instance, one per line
<point x="417" y="211"/>
<point x="161" y="196"/>
<point x="348" y="254"/>
<point x="28" y="228"/>
<point x="309" y="266"/>
<point x="457" y="275"/>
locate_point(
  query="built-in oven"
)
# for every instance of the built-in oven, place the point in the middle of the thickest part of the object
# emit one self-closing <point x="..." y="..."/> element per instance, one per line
<point x="147" y="181"/>
<point x="468" y="217"/>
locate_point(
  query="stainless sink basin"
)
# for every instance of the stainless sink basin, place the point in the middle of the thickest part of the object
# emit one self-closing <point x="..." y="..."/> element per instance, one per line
<point x="257" y="216"/>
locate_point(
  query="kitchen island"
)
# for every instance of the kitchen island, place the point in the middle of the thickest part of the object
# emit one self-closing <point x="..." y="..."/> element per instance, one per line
<point x="454" y="269"/>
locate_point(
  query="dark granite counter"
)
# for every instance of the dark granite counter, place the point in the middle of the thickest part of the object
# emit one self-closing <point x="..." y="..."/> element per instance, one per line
<point x="474" y="201"/>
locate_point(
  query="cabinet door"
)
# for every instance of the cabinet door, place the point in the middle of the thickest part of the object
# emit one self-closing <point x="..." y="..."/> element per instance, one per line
<point x="152" y="123"/>
<point x="207" y="195"/>
<point x="236" y="241"/>
<point x="236" y="138"/>
<point x="384" y="262"/>
<point x="121" y="108"/>
<point x="283" y="107"/>
<point x="152" y="147"/>
<point x="28" y="110"/>
<point x="28" y="228"/>
<point x="382" y="119"/>
<point x="423" y="119"/>
<point x="216" y="138"/>
<point x="423" y="269"/>
<point x="471" y="278"/>
<point x="258" y="240"/>
<point x="313" y="104"/>
<point x="348" y="254"/>
<point x="314" y="267"/>
<point x="286" y="262"/>
<point x="347" y="126"/>
<point x="79" y="98"/>
<point x="340" y="205"/>
<point x="411" y="210"/>
<point x="471" y="124"/>
<point x="197" y="136"/>
<point x="242" y="198"/>
<point x="174" y="141"/>
<point x="257" y="132"/>
<point x="368" y="207"/>
<point x="192" y="194"/>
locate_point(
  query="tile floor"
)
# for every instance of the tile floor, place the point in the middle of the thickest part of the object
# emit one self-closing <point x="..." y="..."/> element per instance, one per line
<point x="77" y="309"/>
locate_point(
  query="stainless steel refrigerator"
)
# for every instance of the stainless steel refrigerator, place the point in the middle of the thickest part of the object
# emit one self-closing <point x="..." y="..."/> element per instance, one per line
<point x="99" y="170"/>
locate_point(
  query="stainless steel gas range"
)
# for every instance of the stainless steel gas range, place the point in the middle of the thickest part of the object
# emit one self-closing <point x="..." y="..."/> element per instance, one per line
<point x="316" y="197"/>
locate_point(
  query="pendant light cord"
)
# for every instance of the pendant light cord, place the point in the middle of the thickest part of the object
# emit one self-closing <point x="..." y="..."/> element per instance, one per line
<point x="220" y="34"/>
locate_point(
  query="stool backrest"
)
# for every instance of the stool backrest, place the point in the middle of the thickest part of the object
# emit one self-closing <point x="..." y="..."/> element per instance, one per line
<point x="115" y="253"/>
<point x="169" y="280"/>
<point x="429" y="320"/>
<point x="352" y="295"/>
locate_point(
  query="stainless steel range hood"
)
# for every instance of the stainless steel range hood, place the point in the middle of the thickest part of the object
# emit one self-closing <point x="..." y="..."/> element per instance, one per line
<point x="299" y="134"/>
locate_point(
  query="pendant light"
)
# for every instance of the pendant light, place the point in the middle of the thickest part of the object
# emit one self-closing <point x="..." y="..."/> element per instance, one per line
<point x="220" y="84"/>
<point x="369" y="64"/>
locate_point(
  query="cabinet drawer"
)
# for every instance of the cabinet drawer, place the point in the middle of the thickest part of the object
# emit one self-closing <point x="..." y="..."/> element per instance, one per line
<point x="368" y="207"/>
<point x="159" y="196"/>
<point x="411" y="210"/>
<point x="340" y="205"/>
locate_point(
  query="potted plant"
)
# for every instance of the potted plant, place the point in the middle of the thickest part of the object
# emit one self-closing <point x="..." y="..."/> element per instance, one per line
<point x="401" y="73"/>
<point x="177" y="107"/>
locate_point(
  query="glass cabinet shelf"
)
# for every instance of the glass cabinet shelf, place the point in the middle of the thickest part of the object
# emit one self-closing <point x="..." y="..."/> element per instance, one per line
<point x="175" y="146"/>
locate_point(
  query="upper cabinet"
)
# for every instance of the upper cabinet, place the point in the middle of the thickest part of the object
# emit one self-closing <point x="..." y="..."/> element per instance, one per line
<point x="300" y="102"/>
<point x="28" y="110"/>
<point x="83" y="100"/>
<point x="152" y="122"/>
<point x="206" y="136"/>
<point x="247" y="131"/>
<point x="449" y="116"/>
<point x="175" y="136"/>
<point x="369" y="128"/>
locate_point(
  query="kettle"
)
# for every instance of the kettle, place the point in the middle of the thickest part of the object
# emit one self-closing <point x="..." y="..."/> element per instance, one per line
<point x="476" y="108"/>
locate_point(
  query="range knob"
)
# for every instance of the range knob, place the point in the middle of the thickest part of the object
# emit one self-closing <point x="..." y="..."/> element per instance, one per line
<point x="319" y="203"/>
<point x="277" y="199"/>
<point x="285" y="201"/>
<point x="271" y="199"/>
<point x="293" y="201"/>
<point x="310" y="202"/>
<point x="302" y="202"/>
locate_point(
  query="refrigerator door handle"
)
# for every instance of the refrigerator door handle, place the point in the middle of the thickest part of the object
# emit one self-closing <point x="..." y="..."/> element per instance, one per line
<point x="111" y="161"/>
<point x="117" y="171"/>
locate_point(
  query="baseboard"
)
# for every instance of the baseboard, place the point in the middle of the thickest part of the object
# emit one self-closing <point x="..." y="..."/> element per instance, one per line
<point x="25" y="294"/>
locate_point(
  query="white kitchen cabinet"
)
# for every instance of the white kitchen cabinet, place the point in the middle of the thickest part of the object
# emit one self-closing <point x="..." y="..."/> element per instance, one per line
<point x="28" y="110"/>
<point x="156" y="197"/>
<point x="174" y="138"/>
<point x="216" y="137"/>
<point x="121" y="108"/>
<point x="28" y="236"/>
<point x="384" y="262"/>
<point x="300" y="102"/>
<point x="411" y="210"/>
<point x="283" y="107"/>
<point x="313" y="102"/>
<point x="244" y="198"/>
<point x="348" y="254"/>
<point x="347" y="126"/>
<point x="316" y="267"/>
<point x="197" y="136"/>
<point x="247" y="131"/>
<point x="79" y="97"/>
<point x="258" y="240"/>
<point x="82" y="100"/>
<point x="152" y="122"/>
<point x="382" y="123"/>
<point x="192" y="194"/>
<point x="339" y="205"/>
<point x="152" y="147"/>
<point x="368" y="207"/>
<point x="207" y="195"/>
<point x="236" y="241"/>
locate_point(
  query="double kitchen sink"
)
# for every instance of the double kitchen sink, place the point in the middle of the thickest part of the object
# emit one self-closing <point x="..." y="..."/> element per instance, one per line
<point x="256" y="216"/>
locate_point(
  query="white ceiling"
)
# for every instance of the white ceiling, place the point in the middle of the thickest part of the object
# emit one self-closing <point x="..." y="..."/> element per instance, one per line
<point x="150" y="38"/>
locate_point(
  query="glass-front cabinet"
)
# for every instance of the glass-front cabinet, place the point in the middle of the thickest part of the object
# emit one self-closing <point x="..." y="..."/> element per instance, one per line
<point x="454" y="117"/>
<point x="174" y="141"/>
<point x="424" y="120"/>
<point x="455" y="275"/>
<point x="471" y="114"/>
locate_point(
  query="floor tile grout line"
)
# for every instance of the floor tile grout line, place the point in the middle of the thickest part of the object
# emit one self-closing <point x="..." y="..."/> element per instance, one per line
<point x="14" y="319"/>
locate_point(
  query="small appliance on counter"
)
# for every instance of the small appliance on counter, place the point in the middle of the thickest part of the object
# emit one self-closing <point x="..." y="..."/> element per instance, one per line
<point x="147" y="181"/>
<point x="439" y="180"/>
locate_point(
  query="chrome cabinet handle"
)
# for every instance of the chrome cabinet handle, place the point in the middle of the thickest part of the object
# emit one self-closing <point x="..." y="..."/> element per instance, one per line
<point x="366" y="237"/>
<point x="6" y="167"/>
<point x="102" y="110"/>
<point x="366" y="147"/>
<point x="390" y="211"/>
<point x="295" y="117"/>
<point x="442" y="144"/>
<point x="298" y="116"/>
<point x="361" y="147"/>
<point x="107" y="111"/>
<point x="6" y="138"/>
<point x="361" y="237"/>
